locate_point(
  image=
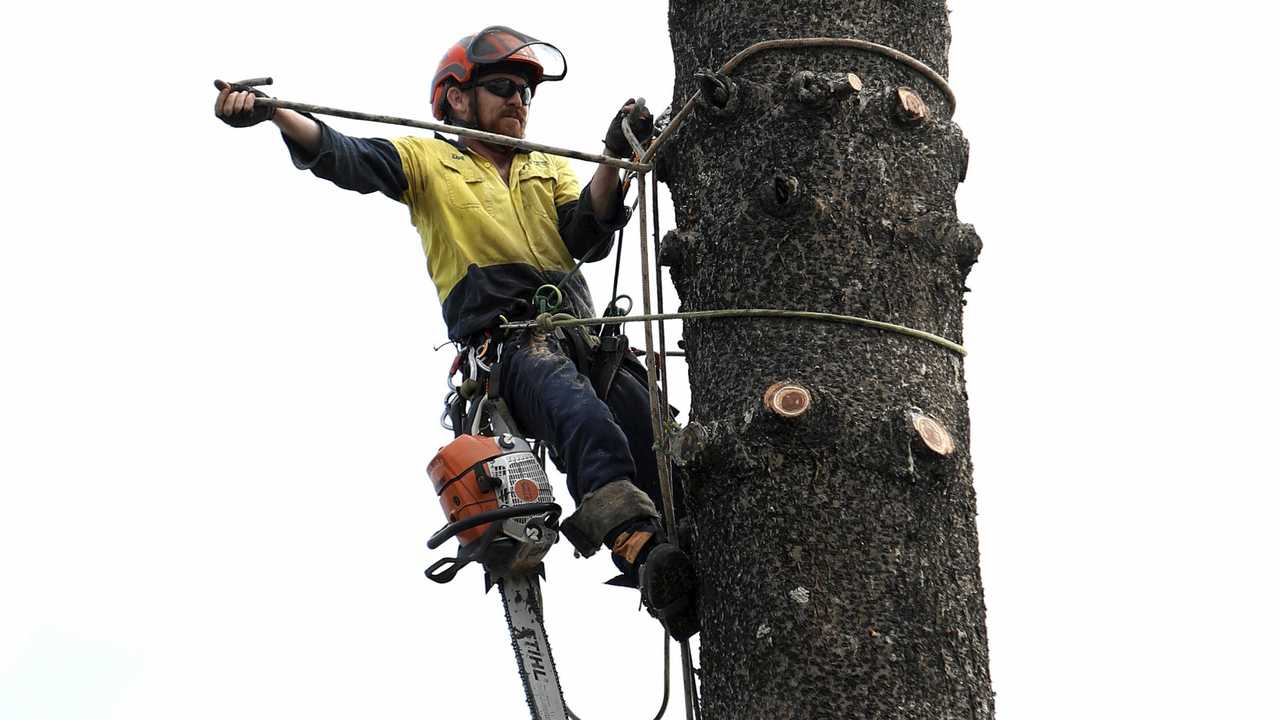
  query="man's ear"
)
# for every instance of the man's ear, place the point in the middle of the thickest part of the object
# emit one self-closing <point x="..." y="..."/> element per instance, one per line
<point x="458" y="101"/>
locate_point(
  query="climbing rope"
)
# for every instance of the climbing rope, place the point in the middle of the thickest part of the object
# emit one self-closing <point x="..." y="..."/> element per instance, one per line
<point x="885" y="50"/>
<point x="548" y="322"/>
<point x="736" y="60"/>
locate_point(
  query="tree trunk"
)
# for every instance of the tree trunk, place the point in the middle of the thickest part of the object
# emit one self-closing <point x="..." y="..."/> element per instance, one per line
<point x="837" y="544"/>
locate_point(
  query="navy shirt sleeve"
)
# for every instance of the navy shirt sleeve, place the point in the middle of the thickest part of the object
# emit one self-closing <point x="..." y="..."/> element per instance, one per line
<point x="364" y="165"/>
<point x="585" y="235"/>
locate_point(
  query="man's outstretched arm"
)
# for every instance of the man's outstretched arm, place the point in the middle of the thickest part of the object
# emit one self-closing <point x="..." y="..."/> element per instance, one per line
<point x="359" y="164"/>
<point x="299" y="128"/>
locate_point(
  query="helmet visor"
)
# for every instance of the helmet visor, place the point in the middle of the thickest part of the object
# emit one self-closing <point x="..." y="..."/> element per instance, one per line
<point x="497" y="44"/>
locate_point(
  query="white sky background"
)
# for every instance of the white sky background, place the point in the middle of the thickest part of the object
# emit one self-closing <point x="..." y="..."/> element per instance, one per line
<point x="218" y="392"/>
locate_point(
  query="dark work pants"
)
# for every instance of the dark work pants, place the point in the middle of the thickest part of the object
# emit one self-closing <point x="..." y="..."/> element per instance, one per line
<point x="593" y="442"/>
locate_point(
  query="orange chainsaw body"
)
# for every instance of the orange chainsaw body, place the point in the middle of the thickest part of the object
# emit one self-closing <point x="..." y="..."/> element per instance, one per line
<point x="462" y="481"/>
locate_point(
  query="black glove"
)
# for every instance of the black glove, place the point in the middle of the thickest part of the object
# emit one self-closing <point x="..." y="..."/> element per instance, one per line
<point x="261" y="112"/>
<point x="615" y="143"/>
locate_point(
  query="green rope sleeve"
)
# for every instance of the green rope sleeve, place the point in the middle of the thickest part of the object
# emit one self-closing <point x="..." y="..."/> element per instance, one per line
<point x="546" y="322"/>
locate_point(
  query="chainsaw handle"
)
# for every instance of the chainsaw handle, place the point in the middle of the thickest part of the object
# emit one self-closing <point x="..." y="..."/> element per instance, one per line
<point x="489" y="516"/>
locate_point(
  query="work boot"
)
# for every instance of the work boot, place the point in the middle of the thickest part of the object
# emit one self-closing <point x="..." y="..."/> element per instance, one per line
<point x="665" y="575"/>
<point x="669" y="589"/>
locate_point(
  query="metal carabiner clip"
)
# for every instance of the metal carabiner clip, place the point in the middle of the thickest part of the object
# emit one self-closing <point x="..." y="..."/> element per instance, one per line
<point x="453" y="370"/>
<point x="444" y="416"/>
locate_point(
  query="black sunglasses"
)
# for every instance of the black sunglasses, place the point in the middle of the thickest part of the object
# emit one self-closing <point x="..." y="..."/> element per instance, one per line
<point x="504" y="88"/>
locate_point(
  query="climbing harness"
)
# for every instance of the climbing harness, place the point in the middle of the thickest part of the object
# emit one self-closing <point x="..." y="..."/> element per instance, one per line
<point x="490" y="482"/>
<point x="599" y="356"/>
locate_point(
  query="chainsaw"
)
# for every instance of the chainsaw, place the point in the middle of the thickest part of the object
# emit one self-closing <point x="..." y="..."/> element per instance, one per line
<point x="499" y="505"/>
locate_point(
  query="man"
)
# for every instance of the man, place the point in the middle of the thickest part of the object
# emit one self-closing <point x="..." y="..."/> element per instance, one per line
<point x="497" y="224"/>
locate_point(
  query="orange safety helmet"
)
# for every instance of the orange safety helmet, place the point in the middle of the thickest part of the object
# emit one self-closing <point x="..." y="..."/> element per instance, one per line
<point x="493" y="46"/>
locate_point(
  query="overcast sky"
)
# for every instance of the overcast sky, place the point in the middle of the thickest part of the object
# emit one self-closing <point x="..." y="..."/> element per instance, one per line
<point x="219" y="391"/>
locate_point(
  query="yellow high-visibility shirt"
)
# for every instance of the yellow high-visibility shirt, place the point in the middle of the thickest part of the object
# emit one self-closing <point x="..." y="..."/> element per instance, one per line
<point x="467" y="215"/>
<point x="489" y="244"/>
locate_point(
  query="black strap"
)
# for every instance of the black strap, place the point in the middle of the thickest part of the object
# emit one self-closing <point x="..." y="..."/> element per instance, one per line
<point x="579" y="351"/>
<point x="495" y="376"/>
<point x="607" y="361"/>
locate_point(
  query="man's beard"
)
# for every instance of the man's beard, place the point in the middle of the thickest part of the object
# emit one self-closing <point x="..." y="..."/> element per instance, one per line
<point x="495" y="129"/>
<point x="498" y="123"/>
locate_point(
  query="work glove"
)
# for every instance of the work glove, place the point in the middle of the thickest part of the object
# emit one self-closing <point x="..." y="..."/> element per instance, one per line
<point x="615" y="143"/>
<point x="236" y="108"/>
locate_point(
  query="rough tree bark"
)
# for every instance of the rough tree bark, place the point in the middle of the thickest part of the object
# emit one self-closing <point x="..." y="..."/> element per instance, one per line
<point x="838" y="548"/>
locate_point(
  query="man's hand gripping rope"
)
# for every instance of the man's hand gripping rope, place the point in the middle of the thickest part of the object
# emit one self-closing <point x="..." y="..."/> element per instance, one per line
<point x="235" y="104"/>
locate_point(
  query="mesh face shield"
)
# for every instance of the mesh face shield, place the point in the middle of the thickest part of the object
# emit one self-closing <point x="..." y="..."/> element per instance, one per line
<point x="499" y="44"/>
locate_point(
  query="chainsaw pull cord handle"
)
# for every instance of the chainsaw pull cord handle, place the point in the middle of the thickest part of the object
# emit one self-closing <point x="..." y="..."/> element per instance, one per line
<point x="442" y="574"/>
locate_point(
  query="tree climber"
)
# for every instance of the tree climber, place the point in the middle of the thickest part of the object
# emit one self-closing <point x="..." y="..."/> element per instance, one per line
<point x="496" y="224"/>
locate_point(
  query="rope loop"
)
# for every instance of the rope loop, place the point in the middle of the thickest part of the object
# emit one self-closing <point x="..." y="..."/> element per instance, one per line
<point x="546" y="322"/>
<point x="855" y="43"/>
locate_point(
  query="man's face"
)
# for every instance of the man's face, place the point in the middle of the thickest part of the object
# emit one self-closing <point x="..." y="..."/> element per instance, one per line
<point x="504" y="116"/>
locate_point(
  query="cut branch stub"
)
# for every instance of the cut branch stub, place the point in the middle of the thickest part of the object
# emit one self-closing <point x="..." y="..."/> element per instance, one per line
<point x="821" y="92"/>
<point x="718" y="96"/>
<point x="673" y="250"/>
<point x="934" y="436"/>
<point x="911" y="109"/>
<point x="664" y="166"/>
<point x="968" y="247"/>
<point x="779" y="195"/>
<point x="787" y="400"/>
<point x="688" y="443"/>
<point x="805" y="88"/>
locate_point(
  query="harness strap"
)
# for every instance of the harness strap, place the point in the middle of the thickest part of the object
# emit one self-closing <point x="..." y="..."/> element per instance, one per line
<point x="578" y="349"/>
<point x="494" y="386"/>
<point x="606" y="363"/>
